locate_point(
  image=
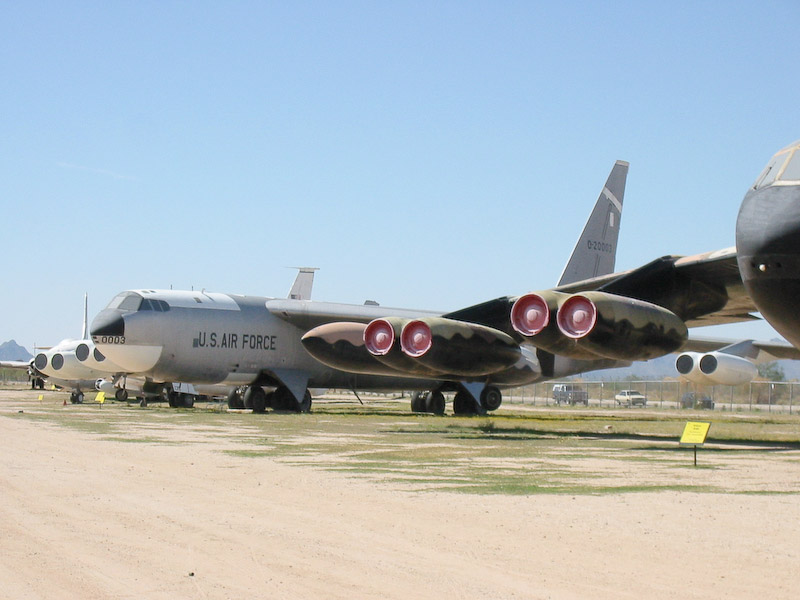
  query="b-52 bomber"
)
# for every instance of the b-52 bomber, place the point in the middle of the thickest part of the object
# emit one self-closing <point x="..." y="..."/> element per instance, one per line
<point x="593" y="319"/>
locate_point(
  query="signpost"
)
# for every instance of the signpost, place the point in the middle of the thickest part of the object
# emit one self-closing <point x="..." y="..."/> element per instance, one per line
<point x="694" y="434"/>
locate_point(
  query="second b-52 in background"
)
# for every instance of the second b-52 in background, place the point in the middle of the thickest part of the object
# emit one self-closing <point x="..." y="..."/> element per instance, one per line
<point x="593" y="319"/>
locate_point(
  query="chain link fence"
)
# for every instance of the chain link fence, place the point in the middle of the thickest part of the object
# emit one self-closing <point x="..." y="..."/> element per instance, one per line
<point x="758" y="396"/>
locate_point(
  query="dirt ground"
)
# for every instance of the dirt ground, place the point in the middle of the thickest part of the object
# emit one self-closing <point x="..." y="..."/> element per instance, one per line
<point x="85" y="516"/>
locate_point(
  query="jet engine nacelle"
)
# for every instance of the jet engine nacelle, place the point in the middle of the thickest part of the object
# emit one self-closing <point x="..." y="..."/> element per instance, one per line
<point x="106" y="386"/>
<point x="383" y="339"/>
<point x="60" y="362"/>
<point x="341" y="346"/>
<point x="429" y="347"/>
<point x="715" y="368"/>
<point x="458" y="347"/>
<point x="621" y="328"/>
<point x="595" y="325"/>
<point x="88" y="354"/>
<point x="534" y="316"/>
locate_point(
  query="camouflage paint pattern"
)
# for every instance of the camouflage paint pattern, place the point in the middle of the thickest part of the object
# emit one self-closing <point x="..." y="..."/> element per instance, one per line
<point x="628" y="329"/>
<point x="341" y="346"/>
<point x="550" y="338"/>
<point x="468" y="349"/>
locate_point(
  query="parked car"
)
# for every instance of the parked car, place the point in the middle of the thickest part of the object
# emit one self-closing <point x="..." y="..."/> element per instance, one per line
<point x="630" y="398"/>
<point x="695" y="400"/>
<point x="569" y="393"/>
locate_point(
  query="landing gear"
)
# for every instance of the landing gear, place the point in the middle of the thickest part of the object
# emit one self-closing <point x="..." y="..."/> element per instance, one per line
<point x="418" y="401"/>
<point x="491" y="398"/>
<point x="235" y="399"/>
<point x="305" y="403"/>
<point x="463" y="404"/>
<point x="428" y="402"/>
<point x="256" y="399"/>
<point x="121" y="395"/>
<point x="76" y="397"/>
<point x="282" y="399"/>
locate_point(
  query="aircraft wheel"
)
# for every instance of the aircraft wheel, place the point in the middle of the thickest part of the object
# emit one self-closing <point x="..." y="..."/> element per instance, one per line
<point x="463" y="404"/>
<point x="121" y="395"/>
<point x="284" y="400"/>
<point x="143" y="402"/>
<point x="305" y="405"/>
<point x="491" y="397"/>
<point x="186" y="400"/>
<point x="436" y="402"/>
<point x="256" y="399"/>
<point x="235" y="399"/>
<point x="279" y="399"/>
<point x="419" y="401"/>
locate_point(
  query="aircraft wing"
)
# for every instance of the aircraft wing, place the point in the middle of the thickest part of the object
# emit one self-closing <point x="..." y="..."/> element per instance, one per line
<point x="757" y="351"/>
<point x="702" y="290"/>
<point x="307" y="315"/>
<point x="15" y="364"/>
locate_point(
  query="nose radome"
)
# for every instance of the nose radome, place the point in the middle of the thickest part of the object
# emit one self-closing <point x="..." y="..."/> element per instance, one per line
<point x="108" y="323"/>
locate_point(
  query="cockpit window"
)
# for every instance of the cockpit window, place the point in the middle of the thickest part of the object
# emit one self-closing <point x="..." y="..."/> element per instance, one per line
<point x="783" y="168"/>
<point x="156" y="305"/>
<point x="792" y="170"/>
<point x="127" y="301"/>
<point x="771" y="171"/>
<point x="131" y="303"/>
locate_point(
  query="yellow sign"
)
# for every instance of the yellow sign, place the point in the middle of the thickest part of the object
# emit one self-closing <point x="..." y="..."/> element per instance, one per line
<point x="101" y="397"/>
<point x="695" y="433"/>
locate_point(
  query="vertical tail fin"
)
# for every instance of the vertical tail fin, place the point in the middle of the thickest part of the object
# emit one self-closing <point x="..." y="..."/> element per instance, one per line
<point x="301" y="289"/>
<point x="85" y="332"/>
<point x="596" y="251"/>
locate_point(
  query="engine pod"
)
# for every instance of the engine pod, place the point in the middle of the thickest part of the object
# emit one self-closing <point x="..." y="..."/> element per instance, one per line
<point x="715" y="368"/>
<point x="341" y="346"/>
<point x="620" y="328"/>
<point x="534" y="317"/>
<point x="727" y="369"/>
<point x="382" y="339"/>
<point x="458" y="347"/>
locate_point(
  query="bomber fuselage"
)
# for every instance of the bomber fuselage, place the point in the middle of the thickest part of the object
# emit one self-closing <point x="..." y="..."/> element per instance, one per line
<point x="768" y="242"/>
<point x="204" y="337"/>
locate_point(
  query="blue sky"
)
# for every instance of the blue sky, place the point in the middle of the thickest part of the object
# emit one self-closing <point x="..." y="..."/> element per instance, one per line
<point x="429" y="155"/>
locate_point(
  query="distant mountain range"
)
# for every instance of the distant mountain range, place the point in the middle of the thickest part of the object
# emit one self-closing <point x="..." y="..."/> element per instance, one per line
<point x="13" y="351"/>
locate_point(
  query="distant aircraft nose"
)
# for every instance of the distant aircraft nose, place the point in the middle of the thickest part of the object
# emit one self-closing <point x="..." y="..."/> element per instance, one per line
<point x="108" y="323"/>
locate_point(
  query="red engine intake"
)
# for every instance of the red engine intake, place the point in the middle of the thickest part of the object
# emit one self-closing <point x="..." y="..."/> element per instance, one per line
<point x="416" y="338"/>
<point x="530" y="314"/>
<point x="379" y="337"/>
<point x="577" y="317"/>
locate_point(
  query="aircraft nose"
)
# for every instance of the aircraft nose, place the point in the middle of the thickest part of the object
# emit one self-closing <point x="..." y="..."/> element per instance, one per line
<point x="108" y="323"/>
